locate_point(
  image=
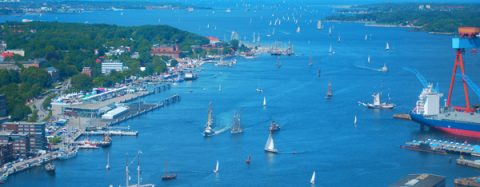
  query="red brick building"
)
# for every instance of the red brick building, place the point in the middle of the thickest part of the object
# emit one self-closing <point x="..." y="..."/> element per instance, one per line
<point x="172" y="51"/>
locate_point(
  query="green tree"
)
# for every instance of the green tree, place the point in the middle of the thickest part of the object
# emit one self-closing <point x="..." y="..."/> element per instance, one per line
<point x="82" y="82"/>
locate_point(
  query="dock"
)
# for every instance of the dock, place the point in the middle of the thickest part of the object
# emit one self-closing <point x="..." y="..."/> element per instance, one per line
<point x="469" y="163"/>
<point x="112" y="133"/>
<point x="137" y="109"/>
<point x="471" y="182"/>
<point x="402" y="116"/>
<point x="451" y="147"/>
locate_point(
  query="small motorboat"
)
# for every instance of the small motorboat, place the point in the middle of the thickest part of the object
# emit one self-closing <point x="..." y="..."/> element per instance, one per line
<point x="274" y="127"/>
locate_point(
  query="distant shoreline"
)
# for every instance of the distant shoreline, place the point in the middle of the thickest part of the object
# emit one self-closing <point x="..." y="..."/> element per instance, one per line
<point x="375" y="24"/>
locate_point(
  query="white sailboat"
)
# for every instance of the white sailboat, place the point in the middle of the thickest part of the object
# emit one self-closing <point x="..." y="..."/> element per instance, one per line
<point x="108" y="161"/>
<point x="216" y="167"/>
<point x="330" y="31"/>
<point x="298" y="29"/>
<point x="319" y="24"/>
<point x="270" y="146"/>
<point x="384" y="68"/>
<point x="339" y="39"/>
<point x="355" y="121"/>
<point x="387" y="46"/>
<point x="366" y="37"/>
<point x="330" y="50"/>
<point x="264" y="101"/>
<point x="368" y="59"/>
<point x="312" y="180"/>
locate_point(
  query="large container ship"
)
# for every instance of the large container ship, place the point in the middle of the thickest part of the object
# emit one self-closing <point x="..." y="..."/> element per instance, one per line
<point x="428" y="112"/>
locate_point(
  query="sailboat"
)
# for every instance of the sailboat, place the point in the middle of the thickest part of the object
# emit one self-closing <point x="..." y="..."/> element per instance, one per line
<point x="264" y="101"/>
<point x="298" y="29"/>
<point x="249" y="159"/>
<point x="377" y="104"/>
<point x="209" y="126"/>
<point x="236" y="129"/>
<point x="216" y="167"/>
<point x="387" y="46"/>
<point x="127" y="177"/>
<point x="339" y="39"/>
<point x="108" y="161"/>
<point x="366" y="37"/>
<point x="310" y="61"/>
<point x="219" y="87"/>
<point x="355" y="121"/>
<point x="329" y="91"/>
<point x="368" y="59"/>
<point x="312" y="180"/>
<point x="270" y="146"/>
<point x="384" y="68"/>
<point x="330" y="31"/>
<point x="319" y="24"/>
<point x="330" y="50"/>
<point x="318" y="72"/>
<point x="167" y="175"/>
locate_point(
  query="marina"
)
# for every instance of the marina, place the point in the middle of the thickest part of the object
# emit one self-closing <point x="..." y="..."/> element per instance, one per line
<point x="299" y="99"/>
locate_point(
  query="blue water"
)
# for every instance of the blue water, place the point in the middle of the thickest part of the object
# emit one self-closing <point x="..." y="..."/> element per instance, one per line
<point x="320" y="132"/>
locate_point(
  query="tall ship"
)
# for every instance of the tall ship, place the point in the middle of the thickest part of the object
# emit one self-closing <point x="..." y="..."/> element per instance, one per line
<point x="209" y="126"/>
<point x="377" y="104"/>
<point x="457" y="120"/>
<point x="236" y="128"/>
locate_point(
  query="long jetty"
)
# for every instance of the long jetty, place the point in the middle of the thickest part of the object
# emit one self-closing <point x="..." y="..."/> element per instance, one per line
<point x="166" y="102"/>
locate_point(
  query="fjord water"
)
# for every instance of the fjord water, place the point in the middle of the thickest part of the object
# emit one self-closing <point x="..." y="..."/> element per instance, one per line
<point x="316" y="134"/>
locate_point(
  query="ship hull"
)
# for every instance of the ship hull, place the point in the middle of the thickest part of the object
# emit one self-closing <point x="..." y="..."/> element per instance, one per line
<point x="451" y="127"/>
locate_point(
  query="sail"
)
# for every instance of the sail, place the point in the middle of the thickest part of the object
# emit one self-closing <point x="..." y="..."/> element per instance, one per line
<point x="330" y="50"/>
<point x="319" y="24"/>
<point x="387" y="46"/>
<point x="298" y="29"/>
<point x="376" y="99"/>
<point x="355" y="120"/>
<point x="270" y="145"/>
<point x="312" y="180"/>
<point x="368" y="59"/>
<point x="264" y="101"/>
<point x="216" y="167"/>
<point x="210" y="116"/>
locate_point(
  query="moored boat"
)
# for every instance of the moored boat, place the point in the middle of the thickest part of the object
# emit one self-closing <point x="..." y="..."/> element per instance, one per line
<point x="50" y="167"/>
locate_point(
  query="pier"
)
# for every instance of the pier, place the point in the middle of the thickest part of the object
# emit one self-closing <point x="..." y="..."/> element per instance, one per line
<point x="112" y="133"/>
<point x="469" y="163"/>
<point x="451" y="147"/>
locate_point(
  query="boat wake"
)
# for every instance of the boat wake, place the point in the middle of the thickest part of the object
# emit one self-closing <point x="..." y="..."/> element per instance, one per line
<point x="366" y="67"/>
<point x="293" y="152"/>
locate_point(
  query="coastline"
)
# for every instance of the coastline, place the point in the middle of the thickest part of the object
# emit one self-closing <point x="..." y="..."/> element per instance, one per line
<point x="383" y="25"/>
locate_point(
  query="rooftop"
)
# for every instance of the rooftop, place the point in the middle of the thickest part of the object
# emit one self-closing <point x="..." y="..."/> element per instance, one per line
<point x="421" y="180"/>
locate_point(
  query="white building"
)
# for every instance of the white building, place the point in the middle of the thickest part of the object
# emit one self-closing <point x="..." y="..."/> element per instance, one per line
<point x="111" y="65"/>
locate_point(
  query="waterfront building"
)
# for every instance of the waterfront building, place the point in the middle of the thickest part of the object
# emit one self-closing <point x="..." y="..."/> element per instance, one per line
<point x="6" y="153"/>
<point x="20" y="143"/>
<point x="172" y="51"/>
<point x="111" y="65"/>
<point x="421" y="180"/>
<point x="34" y="131"/>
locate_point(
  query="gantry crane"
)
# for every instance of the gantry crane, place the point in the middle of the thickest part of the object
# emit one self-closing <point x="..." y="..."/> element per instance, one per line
<point x="469" y="38"/>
